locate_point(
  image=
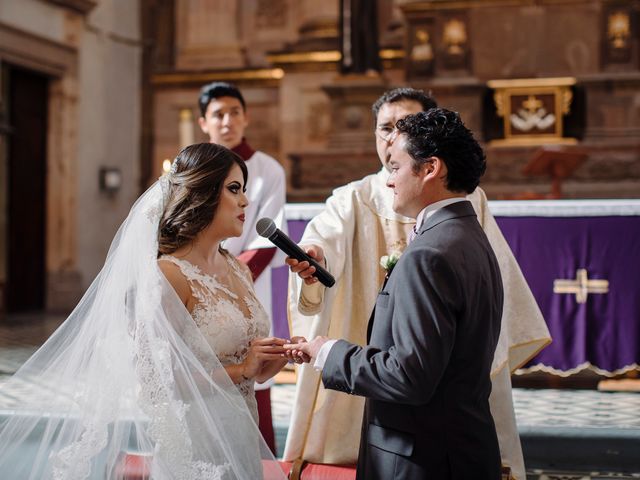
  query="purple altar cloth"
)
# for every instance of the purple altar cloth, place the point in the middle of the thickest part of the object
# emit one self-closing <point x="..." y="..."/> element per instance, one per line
<point x="280" y="285"/>
<point x="604" y="332"/>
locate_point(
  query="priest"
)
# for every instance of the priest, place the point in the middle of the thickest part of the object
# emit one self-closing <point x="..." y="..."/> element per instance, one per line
<point x="358" y="235"/>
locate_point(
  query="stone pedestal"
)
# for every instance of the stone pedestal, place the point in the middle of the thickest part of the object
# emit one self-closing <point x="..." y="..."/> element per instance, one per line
<point x="314" y="174"/>
<point x="350" y="152"/>
<point x="351" y="98"/>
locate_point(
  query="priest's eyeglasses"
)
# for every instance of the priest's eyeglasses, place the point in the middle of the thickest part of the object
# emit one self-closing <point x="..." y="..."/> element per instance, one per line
<point x="386" y="133"/>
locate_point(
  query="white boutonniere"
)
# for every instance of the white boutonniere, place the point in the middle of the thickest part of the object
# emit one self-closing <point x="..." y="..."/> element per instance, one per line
<point x="389" y="261"/>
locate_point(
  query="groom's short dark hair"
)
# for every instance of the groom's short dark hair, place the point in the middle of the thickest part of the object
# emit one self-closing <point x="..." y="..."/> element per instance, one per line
<point x="441" y="133"/>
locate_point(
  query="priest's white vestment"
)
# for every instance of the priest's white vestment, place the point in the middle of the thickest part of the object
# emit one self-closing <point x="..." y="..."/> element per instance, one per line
<point x="356" y="228"/>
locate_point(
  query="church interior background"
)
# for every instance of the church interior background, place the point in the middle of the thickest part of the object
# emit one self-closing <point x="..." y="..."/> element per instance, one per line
<point x="96" y="94"/>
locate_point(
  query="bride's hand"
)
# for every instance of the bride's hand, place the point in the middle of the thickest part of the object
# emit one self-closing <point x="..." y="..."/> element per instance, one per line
<point x="269" y="348"/>
<point x="262" y="350"/>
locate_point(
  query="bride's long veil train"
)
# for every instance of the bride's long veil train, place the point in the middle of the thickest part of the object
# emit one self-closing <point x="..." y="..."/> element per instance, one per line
<point x="130" y="373"/>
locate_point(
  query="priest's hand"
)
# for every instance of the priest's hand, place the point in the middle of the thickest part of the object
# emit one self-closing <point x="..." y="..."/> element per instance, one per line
<point x="304" y="269"/>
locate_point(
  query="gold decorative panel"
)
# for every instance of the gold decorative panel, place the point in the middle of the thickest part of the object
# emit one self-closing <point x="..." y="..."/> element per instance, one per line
<point x="532" y="111"/>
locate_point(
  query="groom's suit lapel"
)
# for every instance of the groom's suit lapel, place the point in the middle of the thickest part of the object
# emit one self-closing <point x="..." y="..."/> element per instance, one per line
<point x="455" y="210"/>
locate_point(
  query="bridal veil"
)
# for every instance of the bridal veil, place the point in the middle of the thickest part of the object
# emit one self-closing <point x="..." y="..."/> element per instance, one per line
<point x="129" y="373"/>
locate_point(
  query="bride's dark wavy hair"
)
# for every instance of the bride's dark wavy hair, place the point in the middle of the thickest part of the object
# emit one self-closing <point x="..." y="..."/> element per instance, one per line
<point x="195" y="185"/>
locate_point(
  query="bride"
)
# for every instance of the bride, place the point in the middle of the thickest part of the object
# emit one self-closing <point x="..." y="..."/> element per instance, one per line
<point x="158" y="360"/>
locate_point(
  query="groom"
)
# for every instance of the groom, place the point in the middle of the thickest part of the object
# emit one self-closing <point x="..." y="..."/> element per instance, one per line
<point x="435" y="325"/>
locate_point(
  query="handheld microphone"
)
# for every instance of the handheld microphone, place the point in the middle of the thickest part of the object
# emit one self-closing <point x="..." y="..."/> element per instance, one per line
<point x="267" y="228"/>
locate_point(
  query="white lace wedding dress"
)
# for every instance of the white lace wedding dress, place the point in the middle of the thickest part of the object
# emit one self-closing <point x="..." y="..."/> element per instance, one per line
<point x="228" y="314"/>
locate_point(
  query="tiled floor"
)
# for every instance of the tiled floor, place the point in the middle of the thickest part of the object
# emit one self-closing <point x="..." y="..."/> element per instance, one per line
<point x="282" y="396"/>
<point x="577" y="408"/>
<point x="536" y="410"/>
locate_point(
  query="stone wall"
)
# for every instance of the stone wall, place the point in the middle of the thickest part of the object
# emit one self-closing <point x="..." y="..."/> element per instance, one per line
<point x="91" y="51"/>
<point x="110" y="60"/>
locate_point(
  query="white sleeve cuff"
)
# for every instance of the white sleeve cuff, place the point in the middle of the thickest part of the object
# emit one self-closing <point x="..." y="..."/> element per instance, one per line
<point x="323" y="353"/>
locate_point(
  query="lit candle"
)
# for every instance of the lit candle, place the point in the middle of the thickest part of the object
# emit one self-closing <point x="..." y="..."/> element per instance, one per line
<point x="185" y="128"/>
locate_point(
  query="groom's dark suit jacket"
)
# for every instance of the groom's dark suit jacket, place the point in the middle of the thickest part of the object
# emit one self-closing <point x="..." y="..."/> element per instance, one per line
<point x="425" y="371"/>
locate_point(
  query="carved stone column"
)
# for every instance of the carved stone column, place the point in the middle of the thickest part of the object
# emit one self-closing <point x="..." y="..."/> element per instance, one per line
<point x="64" y="282"/>
<point x="61" y="179"/>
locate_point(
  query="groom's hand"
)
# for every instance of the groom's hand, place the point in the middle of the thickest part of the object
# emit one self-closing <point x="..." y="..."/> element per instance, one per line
<point x="304" y="269"/>
<point x="295" y="355"/>
<point x="307" y="350"/>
